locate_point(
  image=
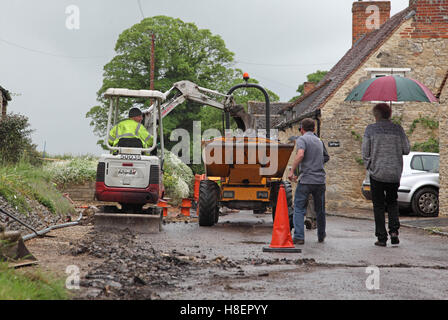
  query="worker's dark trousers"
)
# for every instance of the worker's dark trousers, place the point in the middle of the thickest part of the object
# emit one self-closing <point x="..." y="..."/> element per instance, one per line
<point x="384" y="196"/>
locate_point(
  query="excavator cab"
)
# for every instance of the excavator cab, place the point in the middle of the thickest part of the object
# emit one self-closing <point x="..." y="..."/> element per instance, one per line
<point x="131" y="175"/>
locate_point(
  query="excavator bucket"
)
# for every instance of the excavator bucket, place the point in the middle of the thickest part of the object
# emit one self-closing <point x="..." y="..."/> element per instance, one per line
<point x="13" y="249"/>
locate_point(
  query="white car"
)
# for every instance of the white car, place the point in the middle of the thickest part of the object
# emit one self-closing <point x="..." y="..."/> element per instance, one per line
<point x="419" y="184"/>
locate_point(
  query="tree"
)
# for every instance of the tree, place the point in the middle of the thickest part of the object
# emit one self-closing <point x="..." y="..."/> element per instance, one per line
<point x="315" y="77"/>
<point x="15" y="135"/>
<point x="182" y="52"/>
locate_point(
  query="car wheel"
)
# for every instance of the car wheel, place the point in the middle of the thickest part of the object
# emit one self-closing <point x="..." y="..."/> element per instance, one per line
<point x="425" y="202"/>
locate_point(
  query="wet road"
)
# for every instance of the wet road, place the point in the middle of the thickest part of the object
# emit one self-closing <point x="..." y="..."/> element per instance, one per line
<point x="416" y="269"/>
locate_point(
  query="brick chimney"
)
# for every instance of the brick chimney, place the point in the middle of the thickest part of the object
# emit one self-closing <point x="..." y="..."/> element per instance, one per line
<point x="308" y="86"/>
<point x="430" y="20"/>
<point x="368" y="16"/>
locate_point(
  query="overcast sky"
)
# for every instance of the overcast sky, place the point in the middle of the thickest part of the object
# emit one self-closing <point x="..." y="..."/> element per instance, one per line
<point x="54" y="72"/>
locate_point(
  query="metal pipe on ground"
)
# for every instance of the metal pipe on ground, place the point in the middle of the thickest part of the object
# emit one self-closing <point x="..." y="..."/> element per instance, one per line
<point x="59" y="226"/>
<point x="12" y="247"/>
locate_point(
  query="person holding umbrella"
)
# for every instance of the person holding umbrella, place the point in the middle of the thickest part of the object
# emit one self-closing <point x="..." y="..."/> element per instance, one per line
<point x="383" y="147"/>
<point x="385" y="143"/>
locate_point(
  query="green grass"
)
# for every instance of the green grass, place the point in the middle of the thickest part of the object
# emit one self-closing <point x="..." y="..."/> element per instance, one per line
<point x="30" y="285"/>
<point x="23" y="181"/>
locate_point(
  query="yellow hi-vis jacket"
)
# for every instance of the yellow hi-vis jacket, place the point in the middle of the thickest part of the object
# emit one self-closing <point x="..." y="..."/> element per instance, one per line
<point x="129" y="129"/>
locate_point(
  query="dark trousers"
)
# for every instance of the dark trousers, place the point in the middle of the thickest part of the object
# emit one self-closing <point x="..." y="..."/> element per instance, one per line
<point x="384" y="198"/>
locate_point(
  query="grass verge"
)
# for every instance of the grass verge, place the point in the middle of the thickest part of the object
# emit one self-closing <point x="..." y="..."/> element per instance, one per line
<point x="24" y="181"/>
<point x="30" y="285"/>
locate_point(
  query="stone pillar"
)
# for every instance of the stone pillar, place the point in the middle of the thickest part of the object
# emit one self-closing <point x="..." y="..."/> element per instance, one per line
<point x="443" y="146"/>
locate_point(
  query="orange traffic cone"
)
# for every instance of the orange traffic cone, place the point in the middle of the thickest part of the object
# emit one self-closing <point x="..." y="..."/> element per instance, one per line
<point x="281" y="234"/>
<point x="163" y="204"/>
<point x="185" y="207"/>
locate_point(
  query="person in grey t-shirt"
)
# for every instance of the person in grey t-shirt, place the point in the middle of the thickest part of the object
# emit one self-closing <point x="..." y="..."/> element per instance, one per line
<point x="310" y="158"/>
<point x="383" y="147"/>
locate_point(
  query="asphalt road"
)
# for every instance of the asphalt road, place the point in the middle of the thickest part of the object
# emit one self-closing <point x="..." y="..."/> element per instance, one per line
<point x="346" y="266"/>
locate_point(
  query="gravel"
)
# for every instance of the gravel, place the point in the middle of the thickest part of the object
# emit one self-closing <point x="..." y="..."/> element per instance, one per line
<point x="39" y="217"/>
<point x="135" y="270"/>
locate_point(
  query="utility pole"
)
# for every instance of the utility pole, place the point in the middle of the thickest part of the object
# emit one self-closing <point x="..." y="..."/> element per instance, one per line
<point x="43" y="153"/>
<point x="151" y="74"/>
<point x="151" y="70"/>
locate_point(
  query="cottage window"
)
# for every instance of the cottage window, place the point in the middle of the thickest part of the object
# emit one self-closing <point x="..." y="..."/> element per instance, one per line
<point x="382" y="72"/>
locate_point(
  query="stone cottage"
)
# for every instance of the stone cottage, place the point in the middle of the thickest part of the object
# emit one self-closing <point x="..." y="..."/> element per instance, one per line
<point x="412" y="43"/>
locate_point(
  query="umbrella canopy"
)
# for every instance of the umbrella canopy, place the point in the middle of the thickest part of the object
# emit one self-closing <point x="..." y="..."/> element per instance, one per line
<point x="391" y="88"/>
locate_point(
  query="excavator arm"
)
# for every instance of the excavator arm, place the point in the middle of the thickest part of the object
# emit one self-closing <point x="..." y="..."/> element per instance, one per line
<point x="187" y="90"/>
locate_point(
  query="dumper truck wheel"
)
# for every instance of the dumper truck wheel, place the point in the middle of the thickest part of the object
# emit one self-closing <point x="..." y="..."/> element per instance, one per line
<point x="274" y="195"/>
<point x="208" y="203"/>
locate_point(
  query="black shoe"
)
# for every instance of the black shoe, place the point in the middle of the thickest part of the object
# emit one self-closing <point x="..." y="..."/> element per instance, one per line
<point x="381" y="243"/>
<point x="308" y="224"/>
<point x="394" y="238"/>
<point x="299" y="241"/>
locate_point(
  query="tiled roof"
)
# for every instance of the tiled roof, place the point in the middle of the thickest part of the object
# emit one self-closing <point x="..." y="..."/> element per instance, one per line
<point x="307" y="98"/>
<point x="255" y="107"/>
<point x="260" y="121"/>
<point x="258" y="111"/>
<point x="349" y="63"/>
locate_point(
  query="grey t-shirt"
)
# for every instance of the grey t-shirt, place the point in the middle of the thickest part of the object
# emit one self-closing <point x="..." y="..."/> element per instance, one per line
<point x="312" y="166"/>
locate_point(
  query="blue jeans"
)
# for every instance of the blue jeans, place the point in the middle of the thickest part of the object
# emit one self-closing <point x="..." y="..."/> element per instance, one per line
<point x="300" y="202"/>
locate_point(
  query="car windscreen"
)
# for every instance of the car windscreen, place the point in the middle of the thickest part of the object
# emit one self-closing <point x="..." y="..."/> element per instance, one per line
<point x="425" y="163"/>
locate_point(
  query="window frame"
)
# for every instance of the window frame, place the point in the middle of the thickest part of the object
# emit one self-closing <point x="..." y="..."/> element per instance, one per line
<point x="383" y="72"/>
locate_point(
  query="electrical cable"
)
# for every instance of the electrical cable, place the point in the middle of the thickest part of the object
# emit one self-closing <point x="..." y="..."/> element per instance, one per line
<point x="141" y="9"/>
<point x="48" y="53"/>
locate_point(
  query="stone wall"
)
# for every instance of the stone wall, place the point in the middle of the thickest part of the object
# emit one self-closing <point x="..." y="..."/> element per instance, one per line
<point x="81" y="192"/>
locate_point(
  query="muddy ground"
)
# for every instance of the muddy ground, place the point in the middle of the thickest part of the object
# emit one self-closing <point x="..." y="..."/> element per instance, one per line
<point x="226" y="261"/>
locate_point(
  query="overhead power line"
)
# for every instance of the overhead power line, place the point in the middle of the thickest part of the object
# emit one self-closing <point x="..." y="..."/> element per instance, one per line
<point x="48" y="53"/>
<point x="141" y="9"/>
